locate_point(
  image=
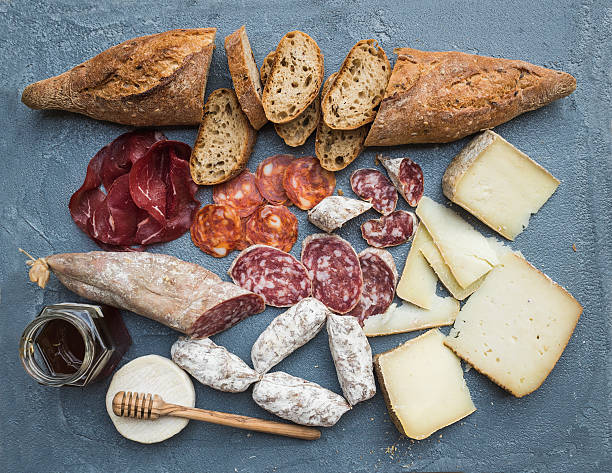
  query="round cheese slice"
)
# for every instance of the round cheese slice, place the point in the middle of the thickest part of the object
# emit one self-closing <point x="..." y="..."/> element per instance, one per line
<point x="155" y="375"/>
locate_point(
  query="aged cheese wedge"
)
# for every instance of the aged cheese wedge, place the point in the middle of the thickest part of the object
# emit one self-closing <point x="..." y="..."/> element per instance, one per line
<point x="423" y="385"/>
<point x="465" y="250"/>
<point x="498" y="184"/>
<point x="515" y="326"/>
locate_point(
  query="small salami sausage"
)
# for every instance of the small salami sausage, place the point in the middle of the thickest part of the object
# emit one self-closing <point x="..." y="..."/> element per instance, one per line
<point x="269" y="178"/>
<point x="217" y="230"/>
<point x="373" y="186"/>
<point x="288" y="332"/>
<point x="273" y="225"/>
<point x="241" y="193"/>
<point x="333" y="268"/>
<point x="273" y="274"/>
<point x="379" y="281"/>
<point x="407" y="176"/>
<point x="334" y="211"/>
<point x="352" y="357"/>
<point x="298" y="400"/>
<point x="307" y="183"/>
<point x="390" y="230"/>
<point x="213" y="365"/>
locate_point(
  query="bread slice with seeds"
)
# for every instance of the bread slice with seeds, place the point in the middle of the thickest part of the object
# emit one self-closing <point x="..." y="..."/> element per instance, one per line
<point x="358" y="88"/>
<point x="295" y="78"/>
<point x="225" y="140"/>
<point x="245" y="76"/>
<point x="266" y="67"/>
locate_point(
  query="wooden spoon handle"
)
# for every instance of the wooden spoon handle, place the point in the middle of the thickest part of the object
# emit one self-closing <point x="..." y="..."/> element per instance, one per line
<point x="241" y="422"/>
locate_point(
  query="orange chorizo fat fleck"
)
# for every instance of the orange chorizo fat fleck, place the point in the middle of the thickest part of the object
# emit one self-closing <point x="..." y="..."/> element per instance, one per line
<point x="217" y="230"/>
<point x="273" y="225"/>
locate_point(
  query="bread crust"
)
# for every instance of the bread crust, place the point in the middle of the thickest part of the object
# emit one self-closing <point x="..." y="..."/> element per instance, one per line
<point x="438" y="97"/>
<point x="245" y="88"/>
<point x="97" y="87"/>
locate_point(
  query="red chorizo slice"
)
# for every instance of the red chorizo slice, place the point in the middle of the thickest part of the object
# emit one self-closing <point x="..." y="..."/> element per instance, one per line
<point x="373" y="186"/>
<point x="407" y="176"/>
<point x="307" y="183"/>
<point x="333" y="268"/>
<point x="217" y="230"/>
<point x="273" y="274"/>
<point x="273" y="225"/>
<point x="269" y="178"/>
<point x="390" y="230"/>
<point x="240" y="193"/>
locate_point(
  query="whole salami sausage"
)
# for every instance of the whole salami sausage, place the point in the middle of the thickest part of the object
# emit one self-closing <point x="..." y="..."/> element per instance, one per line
<point x="273" y="274"/>
<point x="334" y="211"/>
<point x="178" y="294"/>
<point x="288" y="332"/>
<point x="372" y="186"/>
<point x="241" y="193"/>
<point x="298" y="400"/>
<point x="217" y="230"/>
<point x="307" y="183"/>
<point x="407" y="176"/>
<point x="213" y="365"/>
<point x="272" y="225"/>
<point x="352" y="358"/>
<point x="269" y="178"/>
<point x="390" y="230"/>
<point x="334" y="270"/>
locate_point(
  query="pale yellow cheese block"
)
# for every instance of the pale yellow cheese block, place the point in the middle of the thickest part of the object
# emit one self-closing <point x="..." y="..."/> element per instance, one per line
<point x="423" y="385"/>
<point x="515" y="326"/>
<point x="498" y="184"/>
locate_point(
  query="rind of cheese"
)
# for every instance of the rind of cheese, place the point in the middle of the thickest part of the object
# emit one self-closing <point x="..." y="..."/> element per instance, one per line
<point x="464" y="249"/>
<point x="515" y="326"/>
<point x="423" y="385"/>
<point x="498" y="184"/>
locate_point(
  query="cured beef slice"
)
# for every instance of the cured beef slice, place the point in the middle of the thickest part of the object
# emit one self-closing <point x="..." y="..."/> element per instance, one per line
<point x="390" y="230"/>
<point x="333" y="268"/>
<point x="241" y="193"/>
<point x="372" y="186"/>
<point x="217" y="230"/>
<point x="334" y="211"/>
<point x="272" y="225"/>
<point x="307" y="183"/>
<point x="273" y="274"/>
<point x="407" y="176"/>
<point x="269" y="178"/>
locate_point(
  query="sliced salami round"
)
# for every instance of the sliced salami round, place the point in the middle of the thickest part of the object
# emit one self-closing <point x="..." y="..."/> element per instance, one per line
<point x="379" y="280"/>
<point x="407" y="176"/>
<point x="269" y="178"/>
<point x="390" y="230"/>
<point x="334" y="270"/>
<point x="373" y="186"/>
<point x="273" y="225"/>
<point x="217" y="230"/>
<point x="241" y="193"/>
<point x="273" y="274"/>
<point x="307" y="183"/>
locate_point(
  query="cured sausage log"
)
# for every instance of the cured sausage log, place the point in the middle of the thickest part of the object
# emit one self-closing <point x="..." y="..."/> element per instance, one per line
<point x="178" y="294"/>
<point x="390" y="230"/>
<point x="272" y="225"/>
<point x="334" y="211"/>
<point x="269" y="178"/>
<point x="407" y="176"/>
<point x="241" y="193"/>
<point x="372" y="186"/>
<point x="307" y="183"/>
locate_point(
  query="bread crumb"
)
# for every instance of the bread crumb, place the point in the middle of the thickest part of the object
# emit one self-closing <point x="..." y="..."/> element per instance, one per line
<point x="341" y="192"/>
<point x="574" y="247"/>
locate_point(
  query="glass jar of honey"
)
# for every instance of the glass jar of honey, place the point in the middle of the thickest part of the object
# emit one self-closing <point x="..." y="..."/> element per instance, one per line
<point x="73" y="344"/>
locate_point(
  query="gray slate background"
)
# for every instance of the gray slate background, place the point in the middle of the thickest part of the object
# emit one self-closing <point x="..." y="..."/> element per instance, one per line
<point x="564" y="426"/>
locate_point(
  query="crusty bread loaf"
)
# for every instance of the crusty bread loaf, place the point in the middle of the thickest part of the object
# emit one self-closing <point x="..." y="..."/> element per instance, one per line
<point x="358" y="87"/>
<point x="155" y="80"/>
<point x="245" y="76"/>
<point x="296" y="132"/>
<point x="225" y="140"/>
<point x="336" y="149"/>
<point x="295" y="78"/>
<point x="266" y="67"/>
<point x="437" y="97"/>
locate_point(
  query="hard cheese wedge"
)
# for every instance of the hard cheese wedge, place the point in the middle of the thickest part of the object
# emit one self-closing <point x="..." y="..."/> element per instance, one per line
<point x="498" y="184"/>
<point x="466" y="251"/>
<point x="423" y="385"/>
<point x="515" y="326"/>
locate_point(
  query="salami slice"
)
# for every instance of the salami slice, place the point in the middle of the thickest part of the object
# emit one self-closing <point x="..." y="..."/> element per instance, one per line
<point x="307" y="183"/>
<point x="269" y="178"/>
<point x="379" y="280"/>
<point x="407" y="176"/>
<point x="333" y="268"/>
<point x="390" y="230"/>
<point x="373" y="186"/>
<point x="334" y="211"/>
<point x="273" y="225"/>
<point x="240" y="193"/>
<point x="217" y="230"/>
<point x="273" y="274"/>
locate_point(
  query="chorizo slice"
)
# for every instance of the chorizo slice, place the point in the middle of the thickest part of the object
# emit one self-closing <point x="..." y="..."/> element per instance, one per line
<point x="307" y="183"/>
<point x="407" y="176"/>
<point x="217" y="230"/>
<point x="273" y="225"/>
<point x="390" y="230"/>
<point x="241" y="193"/>
<point x="373" y="186"/>
<point x="269" y="178"/>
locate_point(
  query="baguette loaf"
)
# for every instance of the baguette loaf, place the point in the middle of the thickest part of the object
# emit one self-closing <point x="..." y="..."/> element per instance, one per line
<point x="155" y="80"/>
<point x="437" y="97"/>
<point x="225" y="140"/>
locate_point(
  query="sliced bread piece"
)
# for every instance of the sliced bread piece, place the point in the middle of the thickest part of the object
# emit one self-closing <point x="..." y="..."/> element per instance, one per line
<point x="266" y="67"/>
<point x="295" y="78"/>
<point x="358" y="88"/>
<point x="336" y="149"/>
<point x="225" y="140"/>
<point x="296" y="132"/>
<point x="245" y="76"/>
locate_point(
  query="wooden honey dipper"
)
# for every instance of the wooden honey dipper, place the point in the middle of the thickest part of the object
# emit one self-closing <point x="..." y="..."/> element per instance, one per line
<point x="152" y="406"/>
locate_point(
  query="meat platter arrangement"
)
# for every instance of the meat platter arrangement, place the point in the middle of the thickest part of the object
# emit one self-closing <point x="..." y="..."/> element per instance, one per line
<point x="508" y="320"/>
